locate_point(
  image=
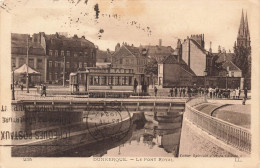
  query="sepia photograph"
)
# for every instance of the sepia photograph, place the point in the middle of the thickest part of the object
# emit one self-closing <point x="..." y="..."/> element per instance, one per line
<point x="130" y="81"/>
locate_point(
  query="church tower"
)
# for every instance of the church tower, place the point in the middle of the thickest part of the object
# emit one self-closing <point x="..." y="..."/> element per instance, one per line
<point x="243" y="37"/>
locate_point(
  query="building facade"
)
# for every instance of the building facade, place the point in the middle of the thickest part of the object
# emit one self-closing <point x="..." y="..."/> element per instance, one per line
<point x="20" y="44"/>
<point x="66" y="55"/>
<point x="130" y="57"/>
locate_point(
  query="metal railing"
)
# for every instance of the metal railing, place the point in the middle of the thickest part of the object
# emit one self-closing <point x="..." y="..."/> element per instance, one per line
<point x="231" y="134"/>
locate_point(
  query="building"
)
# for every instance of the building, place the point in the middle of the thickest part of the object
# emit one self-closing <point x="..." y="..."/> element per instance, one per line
<point x="173" y="71"/>
<point x="130" y="57"/>
<point x="75" y="52"/>
<point x="104" y="56"/>
<point x="194" y="54"/>
<point x="20" y="44"/>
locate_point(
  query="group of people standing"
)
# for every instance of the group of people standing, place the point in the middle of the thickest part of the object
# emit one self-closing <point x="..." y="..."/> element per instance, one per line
<point x="181" y="92"/>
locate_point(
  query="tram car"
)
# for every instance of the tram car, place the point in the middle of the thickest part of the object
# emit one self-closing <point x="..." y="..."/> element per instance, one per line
<point x="103" y="82"/>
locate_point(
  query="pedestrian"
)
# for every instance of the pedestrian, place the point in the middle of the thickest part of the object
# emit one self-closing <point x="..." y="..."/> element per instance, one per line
<point x="21" y="87"/>
<point x="43" y="90"/>
<point x="183" y="91"/>
<point x="135" y="85"/>
<point x="245" y="92"/>
<point x="155" y="91"/>
<point x="171" y="92"/>
<point x="175" y="91"/>
<point x="217" y="92"/>
<point x="237" y="93"/>
<point x="189" y="92"/>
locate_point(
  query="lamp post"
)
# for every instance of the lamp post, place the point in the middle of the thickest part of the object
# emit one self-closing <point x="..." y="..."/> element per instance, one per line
<point x="205" y="93"/>
<point x="27" y="65"/>
<point x="13" y="97"/>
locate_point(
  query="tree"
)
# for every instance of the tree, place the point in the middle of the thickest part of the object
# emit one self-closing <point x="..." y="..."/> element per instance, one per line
<point x="242" y="59"/>
<point x="151" y="68"/>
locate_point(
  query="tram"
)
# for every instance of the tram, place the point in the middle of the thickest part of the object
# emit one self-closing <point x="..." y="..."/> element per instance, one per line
<point x="103" y="82"/>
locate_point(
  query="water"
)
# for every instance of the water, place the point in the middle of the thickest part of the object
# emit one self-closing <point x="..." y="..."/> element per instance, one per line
<point x="145" y="139"/>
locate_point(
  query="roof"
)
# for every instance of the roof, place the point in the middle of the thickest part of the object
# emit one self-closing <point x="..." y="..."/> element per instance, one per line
<point x="102" y="54"/>
<point x="172" y="59"/>
<point x="127" y="51"/>
<point x="231" y="65"/>
<point x="222" y="57"/>
<point x="198" y="45"/>
<point x="23" y="69"/>
<point x="19" y="45"/>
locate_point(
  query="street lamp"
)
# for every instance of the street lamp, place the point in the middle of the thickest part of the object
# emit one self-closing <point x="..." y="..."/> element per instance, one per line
<point x="205" y="93"/>
<point x="13" y="97"/>
<point x="226" y="80"/>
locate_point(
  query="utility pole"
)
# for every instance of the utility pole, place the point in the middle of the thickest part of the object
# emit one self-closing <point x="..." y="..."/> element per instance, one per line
<point x="27" y="65"/>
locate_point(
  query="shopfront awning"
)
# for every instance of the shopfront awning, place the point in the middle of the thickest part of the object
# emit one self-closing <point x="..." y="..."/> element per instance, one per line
<point x="23" y="70"/>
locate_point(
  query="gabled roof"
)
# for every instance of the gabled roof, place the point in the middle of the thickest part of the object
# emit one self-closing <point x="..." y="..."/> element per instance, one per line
<point x="222" y="57"/>
<point x="172" y="59"/>
<point x="199" y="46"/>
<point x="127" y="51"/>
<point x="231" y="65"/>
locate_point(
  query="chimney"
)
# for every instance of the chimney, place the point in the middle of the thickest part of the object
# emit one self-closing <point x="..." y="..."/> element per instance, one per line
<point x="210" y="49"/>
<point x="160" y="42"/>
<point x="83" y="37"/>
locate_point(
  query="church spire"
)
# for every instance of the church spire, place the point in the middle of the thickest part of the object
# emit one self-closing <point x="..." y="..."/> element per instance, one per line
<point x="241" y="31"/>
<point x="246" y="27"/>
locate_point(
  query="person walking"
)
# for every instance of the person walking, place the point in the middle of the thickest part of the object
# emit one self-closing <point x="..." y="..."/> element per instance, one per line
<point x="155" y="91"/>
<point x="171" y="92"/>
<point x="21" y="87"/>
<point x="183" y="91"/>
<point x="175" y="91"/>
<point x="43" y="90"/>
<point x="135" y="85"/>
<point x="245" y="92"/>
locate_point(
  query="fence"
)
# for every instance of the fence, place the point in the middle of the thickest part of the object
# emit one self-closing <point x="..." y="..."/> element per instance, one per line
<point x="233" y="135"/>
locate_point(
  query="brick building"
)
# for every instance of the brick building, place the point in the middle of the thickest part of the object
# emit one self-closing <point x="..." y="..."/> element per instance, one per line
<point x="130" y="57"/>
<point x="75" y="52"/>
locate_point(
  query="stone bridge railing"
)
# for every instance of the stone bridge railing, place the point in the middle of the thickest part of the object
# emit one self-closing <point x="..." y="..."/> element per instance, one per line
<point x="236" y="136"/>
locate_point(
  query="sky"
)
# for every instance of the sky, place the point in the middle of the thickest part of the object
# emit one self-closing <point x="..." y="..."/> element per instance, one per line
<point x="138" y="22"/>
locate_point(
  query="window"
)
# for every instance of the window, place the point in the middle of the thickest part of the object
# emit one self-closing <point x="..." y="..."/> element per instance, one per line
<point x="62" y="53"/>
<point x="75" y="54"/>
<point x="21" y="61"/>
<point x="80" y="53"/>
<point x="110" y="80"/>
<point x="126" y="61"/>
<point x="39" y="64"/>
<point x="80" y="64"/>
<point x="50" y="52"/>
<point x="232" y="74"/>
<point x="130" y="80"/>
<point x="50" y="64"/>
<point x="103" y="80"/>
<point x="56" y="76"/>
<point x="67" y="65"/>
<point x="56" y="64"/>
<point x="56" y="53"/>
<point x="96" y="80"/>
<point x="85" y="64"/>
<point x="31" y="63"/>
<point x="75" y="65"/>
<point x="50" y="76"/>
<point x="91" y="80"/>
<point x="85" y="53"/>
<point x="117" y="80"/>
<point x="132" y="61"/>
<point x="68" y="53"/>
